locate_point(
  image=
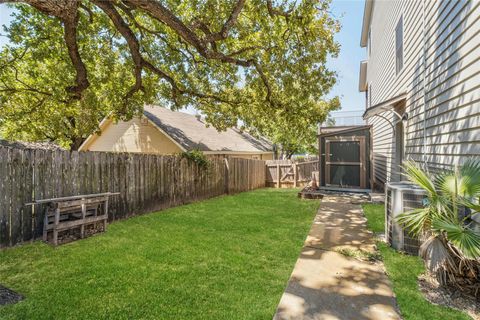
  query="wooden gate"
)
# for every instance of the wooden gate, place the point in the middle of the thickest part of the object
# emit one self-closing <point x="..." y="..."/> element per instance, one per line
<point x="288" y="174"/>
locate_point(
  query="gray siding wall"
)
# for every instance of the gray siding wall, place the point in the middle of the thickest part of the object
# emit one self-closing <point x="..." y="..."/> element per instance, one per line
<point x="441" y="76"/>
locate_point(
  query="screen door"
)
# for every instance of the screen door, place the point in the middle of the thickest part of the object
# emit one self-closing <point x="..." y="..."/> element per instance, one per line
<point x="345" y="162"/>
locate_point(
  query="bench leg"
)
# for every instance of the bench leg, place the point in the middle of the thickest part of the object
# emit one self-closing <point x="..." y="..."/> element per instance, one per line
<point x="84" y="213"/>
<point x="45" y="224"/>
<point x="55" y="227"/>
<point x="106" y="213"/>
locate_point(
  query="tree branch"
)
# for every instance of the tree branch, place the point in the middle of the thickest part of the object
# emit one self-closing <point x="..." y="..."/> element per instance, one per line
<point x="128" y="11"/>
<point x="67" y="12"/>
<point x="140" y="62"/>
<point x="162" y="14"/>
<point x="159" y="12"/>
<point x="81" y="79"/>
<point x="27" y="87"/>
<point x="132" y="42"/>
<point x="276" y="12"/>
<point x="87" y="10"/>
<point x="232" y="19"/>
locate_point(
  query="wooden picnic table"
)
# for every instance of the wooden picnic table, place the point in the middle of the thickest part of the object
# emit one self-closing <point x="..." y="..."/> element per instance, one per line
<point x="66" y="213"/>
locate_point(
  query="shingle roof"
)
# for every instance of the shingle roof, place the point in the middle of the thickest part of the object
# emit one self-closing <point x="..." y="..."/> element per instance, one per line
<point x="45" y="145"/>
<point x="191" y="133"/>
<point x="333" y="129"/>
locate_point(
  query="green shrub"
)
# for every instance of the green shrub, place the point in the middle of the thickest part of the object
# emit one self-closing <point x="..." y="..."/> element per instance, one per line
<point x="452" y="247"/>
<point x="197" y="157"/>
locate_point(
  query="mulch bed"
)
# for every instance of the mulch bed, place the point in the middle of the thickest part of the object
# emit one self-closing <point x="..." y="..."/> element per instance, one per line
<point x="310" y="193"/>
<point x="8" y="296"/>
<point x="449" y="296"/>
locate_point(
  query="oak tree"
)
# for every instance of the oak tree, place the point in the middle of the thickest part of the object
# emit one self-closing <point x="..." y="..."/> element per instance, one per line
<point x="69" y="63"/>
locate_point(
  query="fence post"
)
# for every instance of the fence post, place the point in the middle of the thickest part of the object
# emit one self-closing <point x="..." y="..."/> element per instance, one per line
<point x="294" y="175"/>
<point x="267" y="171"/>
<point x="278" y="175"/>
<point x="227" y="174"/>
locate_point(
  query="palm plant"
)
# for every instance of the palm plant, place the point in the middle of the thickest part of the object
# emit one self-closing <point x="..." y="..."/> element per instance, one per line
<point x="450" y="238"/>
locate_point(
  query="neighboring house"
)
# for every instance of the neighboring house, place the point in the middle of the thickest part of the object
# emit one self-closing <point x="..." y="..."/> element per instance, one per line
<point x="45" y="145"/>
<point x="163" y="131"/>
<point x="422" y="83"/>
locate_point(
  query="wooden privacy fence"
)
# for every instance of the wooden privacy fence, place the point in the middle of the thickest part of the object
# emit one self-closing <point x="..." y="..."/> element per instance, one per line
<point x="288" y="174"/>
<point x="145" y="182"/>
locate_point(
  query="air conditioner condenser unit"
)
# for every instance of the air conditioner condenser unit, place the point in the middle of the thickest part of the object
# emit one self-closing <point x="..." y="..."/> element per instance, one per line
<point x="401" y="197"/>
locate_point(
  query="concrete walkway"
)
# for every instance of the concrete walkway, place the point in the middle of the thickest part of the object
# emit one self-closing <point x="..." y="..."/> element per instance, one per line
<point x="326" y="284"/>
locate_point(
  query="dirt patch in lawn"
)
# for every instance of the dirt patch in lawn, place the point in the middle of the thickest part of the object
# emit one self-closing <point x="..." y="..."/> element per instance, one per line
<point x="8" y="296"/>
<point x="449" y="296"/>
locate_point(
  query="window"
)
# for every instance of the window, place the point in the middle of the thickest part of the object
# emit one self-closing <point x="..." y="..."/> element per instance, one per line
<point x="399" y="46"/>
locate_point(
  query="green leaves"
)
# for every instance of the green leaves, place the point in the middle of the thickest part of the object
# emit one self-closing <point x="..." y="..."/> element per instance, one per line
<point x="448" y="192"/>
<point x="282" y="101"/>
<point x="197" y="157"/>
<point x="470" y="173"/>
<point x="464" y="238"/>
<point x="420" y="177"/>
<point x="417" y="220"/>
<point x="36" y="69"/>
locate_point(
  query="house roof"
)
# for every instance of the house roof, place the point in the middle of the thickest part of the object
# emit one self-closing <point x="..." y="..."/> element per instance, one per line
<point x="325" y="131"/>
<point x="45" y="145"/>
<point x="192" y="133"/>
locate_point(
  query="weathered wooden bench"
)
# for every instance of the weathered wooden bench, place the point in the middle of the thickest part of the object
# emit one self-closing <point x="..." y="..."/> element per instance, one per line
<point x="67" y="213"/>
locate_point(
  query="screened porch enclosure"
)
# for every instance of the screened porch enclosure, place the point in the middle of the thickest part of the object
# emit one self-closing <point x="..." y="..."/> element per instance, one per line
<point x="345" y="157"/>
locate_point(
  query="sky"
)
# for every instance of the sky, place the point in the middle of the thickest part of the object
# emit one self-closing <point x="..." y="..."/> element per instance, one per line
<point x="4" y="19"/>
<point x="347" y="65"/>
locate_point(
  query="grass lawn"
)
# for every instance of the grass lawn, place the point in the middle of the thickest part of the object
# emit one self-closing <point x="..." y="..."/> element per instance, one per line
<point x="403" y="271"/>
<point x="225" y="258"/>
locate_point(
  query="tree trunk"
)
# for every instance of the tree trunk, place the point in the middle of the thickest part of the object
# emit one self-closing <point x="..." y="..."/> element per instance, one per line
<point x="76" y="143"/>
